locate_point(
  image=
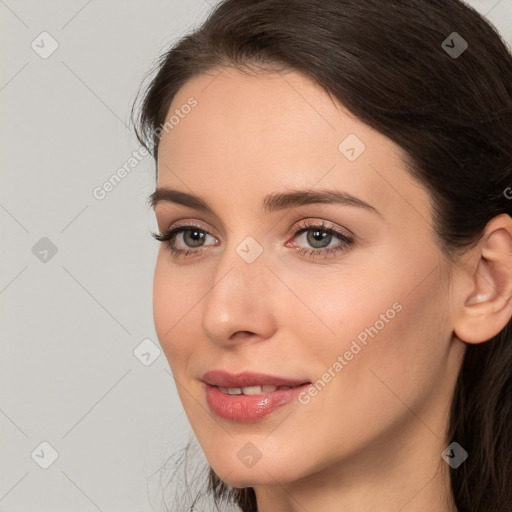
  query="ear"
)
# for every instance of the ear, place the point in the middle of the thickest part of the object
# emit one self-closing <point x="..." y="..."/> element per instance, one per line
<point x="486" y="302"/>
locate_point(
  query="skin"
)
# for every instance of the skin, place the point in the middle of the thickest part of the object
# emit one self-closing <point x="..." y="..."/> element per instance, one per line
<point x="372" y="438"/>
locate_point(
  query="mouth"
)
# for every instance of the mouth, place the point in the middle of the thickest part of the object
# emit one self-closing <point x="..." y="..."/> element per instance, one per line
<point x="246" y="380"/>
<point x="248" y="397"/>
<point x="255" y="390"/>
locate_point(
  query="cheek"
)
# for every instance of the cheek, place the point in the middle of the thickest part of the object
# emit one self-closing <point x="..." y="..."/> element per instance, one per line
<point x="393" y="345"/>
<point x="173" y="305"/>
<point x="331" y="309"/>
<point x="391" y="318"/>
<point x="410" y="358"/>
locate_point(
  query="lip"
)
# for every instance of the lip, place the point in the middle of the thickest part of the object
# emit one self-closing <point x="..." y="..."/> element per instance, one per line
<point x="248" y="408"/>
<point x="240" y="380"/>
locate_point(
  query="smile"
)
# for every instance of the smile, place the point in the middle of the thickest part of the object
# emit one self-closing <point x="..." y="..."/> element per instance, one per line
<point x="253" y="390"/>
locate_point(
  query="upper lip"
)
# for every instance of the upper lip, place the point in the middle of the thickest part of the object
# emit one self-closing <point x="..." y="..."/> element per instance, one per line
<point x="240" y="380"/>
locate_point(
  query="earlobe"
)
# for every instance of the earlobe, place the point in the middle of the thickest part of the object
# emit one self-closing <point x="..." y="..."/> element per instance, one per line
<point x="487" y="309"/>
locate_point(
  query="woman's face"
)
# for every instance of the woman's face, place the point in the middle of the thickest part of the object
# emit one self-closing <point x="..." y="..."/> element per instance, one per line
<point x="347" y="291"/>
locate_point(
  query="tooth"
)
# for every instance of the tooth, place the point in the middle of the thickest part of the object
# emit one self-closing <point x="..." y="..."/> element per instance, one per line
<point x="252" y="390"/>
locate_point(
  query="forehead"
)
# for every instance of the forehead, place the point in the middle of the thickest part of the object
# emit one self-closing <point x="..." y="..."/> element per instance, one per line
<point x="259" y="133"/>
<point x="257" y="109"/>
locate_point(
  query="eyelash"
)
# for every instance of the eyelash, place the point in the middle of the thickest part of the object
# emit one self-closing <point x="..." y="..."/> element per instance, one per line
<point x="345" y="243"/>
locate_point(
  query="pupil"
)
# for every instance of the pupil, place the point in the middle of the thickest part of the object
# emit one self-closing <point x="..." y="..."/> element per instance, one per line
<point x="319" y="236"/>
<point x="196" y="237"/>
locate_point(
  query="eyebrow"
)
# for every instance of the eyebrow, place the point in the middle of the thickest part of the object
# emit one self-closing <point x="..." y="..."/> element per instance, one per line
<point x="271" y="202"/>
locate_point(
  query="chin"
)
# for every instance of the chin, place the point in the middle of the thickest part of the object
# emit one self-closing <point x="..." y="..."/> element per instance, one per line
<point x="262" y="473"/>
<point x="249" y="479"/>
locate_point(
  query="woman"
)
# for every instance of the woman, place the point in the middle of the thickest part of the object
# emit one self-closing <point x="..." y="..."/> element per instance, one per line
<point x="333" y="288"/>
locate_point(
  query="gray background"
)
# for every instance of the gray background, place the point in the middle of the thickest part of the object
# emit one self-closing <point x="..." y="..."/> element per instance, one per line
<point x="70" y="321"/>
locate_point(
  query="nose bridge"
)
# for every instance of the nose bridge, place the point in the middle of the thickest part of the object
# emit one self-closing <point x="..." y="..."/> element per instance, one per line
<point x="240" y="297"/>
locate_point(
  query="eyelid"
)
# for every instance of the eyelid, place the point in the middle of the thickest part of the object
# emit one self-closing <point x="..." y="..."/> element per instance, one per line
<point x="346" y="241"/>
<point x="171" y="219"/>
<point x="185" y="222"/>
<point x="307" y="223"/>
<point x="169" y="235"/>
<point x="311" y="223"/>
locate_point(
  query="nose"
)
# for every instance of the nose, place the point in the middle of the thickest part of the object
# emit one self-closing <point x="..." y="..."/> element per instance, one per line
<point x="240" y="304"/>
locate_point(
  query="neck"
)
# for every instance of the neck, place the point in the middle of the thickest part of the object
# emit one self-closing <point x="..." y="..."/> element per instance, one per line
<point x="391" y="477"/>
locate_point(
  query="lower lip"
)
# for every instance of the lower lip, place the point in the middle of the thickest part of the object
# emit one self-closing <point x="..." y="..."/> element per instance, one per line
<point x="247" y="408"/>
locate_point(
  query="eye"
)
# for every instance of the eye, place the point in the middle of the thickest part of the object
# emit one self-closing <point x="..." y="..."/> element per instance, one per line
<point x="192" y="237"/>
<point x="319" y="236"/>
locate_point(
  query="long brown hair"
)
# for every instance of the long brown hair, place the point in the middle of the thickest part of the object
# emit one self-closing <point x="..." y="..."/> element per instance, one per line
<point x="393" y="65"/>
